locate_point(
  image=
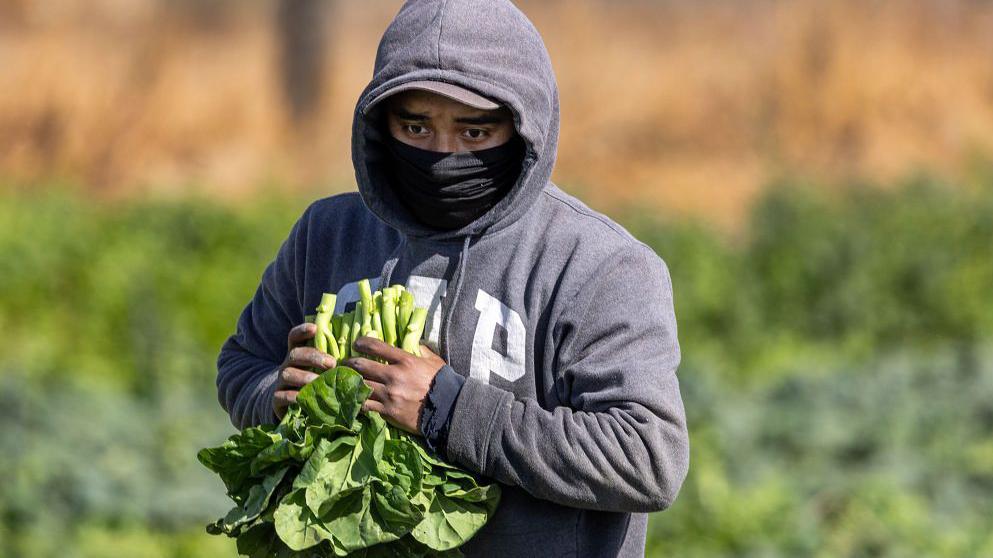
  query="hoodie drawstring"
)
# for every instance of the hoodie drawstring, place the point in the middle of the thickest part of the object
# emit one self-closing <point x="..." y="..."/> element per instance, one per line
<point x="460" y="271"/>
<point x="387" y="274"/>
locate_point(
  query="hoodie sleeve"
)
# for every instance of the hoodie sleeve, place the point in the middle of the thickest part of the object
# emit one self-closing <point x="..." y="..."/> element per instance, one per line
<point x="249" y="360"/>
<point x="621" y="444"/>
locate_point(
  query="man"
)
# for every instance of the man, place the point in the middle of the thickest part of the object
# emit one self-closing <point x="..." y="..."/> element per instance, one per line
<point x="553" y="327"/>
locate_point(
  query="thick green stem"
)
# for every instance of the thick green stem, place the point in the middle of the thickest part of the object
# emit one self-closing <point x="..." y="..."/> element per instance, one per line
<point x="326" y="305"/>
<point x="377" y="324"/>
<point x="356" y="330"/>
<point x="389" y="317"/>
<point x="365" y="296"/>
<point x="345" y="336"/>
<point x="321" y="341"/>
<point x="366" y="322"/>
<point x="404" y="311"/>
<point x="324" y="338"/>
<point x="414" y="331"/>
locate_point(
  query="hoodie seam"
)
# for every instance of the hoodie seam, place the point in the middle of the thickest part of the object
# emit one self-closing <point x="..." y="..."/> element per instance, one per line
<point x="607" y="223"/>
<point x="447" y="320"/>
<point x="441" y="29"/>
<point x="486" y="438"/>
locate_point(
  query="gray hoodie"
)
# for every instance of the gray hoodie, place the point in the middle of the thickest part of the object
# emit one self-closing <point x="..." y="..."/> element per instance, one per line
<point x="560" y="320"/>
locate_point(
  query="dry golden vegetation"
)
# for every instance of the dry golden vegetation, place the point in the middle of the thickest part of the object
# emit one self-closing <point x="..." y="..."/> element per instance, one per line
<point x="693" y="106"/>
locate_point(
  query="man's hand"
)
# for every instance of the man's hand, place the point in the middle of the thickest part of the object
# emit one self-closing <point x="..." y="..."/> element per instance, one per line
<point x="295" y="372"/>
<point x="398" y="387"/>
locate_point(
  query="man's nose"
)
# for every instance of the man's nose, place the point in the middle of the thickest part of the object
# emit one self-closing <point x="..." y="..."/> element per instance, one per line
<point x="445" y="143"/>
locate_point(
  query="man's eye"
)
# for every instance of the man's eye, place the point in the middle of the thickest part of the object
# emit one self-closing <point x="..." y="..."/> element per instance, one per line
<point x="475" y="133"/>
<point x="415" y="130"/>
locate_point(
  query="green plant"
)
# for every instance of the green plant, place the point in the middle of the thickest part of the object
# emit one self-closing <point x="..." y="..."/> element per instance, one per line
<point x="331" y="481"/>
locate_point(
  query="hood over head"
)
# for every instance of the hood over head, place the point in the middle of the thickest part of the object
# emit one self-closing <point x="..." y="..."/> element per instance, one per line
<point x="486" y="46"/>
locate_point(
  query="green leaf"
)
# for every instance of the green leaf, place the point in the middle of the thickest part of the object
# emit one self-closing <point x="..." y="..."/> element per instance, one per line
<point x="261" y="541"/>
<point x="449" y="523"/>
<point x="433" y="479"/>
<point x="407" y="547"/>
<point x="357" y="523"/>
<point x="428" y="456"/>
<point x="369" y="451"/>
<point x="283" y="451"/>
<point x="330" y="480"/>
<point x="255" y="503"/>
<point x="394" y="508"/>
<point x="232" y="460"/>
<point x="335" y="397"/>
<point x="297" y="444"/>
<point x="353" y="469"/>
<point x="490" y="494"/>
<point x="296" y="525"/>
<point x="406" y="468"/>
<point x="424" y="498"/>
<point x="321" y="475"/>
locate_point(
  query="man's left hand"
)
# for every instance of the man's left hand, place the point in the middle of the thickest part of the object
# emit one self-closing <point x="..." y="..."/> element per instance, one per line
<point x="399" y="386"/>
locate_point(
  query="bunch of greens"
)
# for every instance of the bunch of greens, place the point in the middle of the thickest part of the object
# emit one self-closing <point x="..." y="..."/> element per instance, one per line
<point x="331" y="481"/>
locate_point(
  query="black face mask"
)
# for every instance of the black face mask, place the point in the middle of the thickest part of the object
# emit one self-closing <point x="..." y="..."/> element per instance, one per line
<point x="450" y="190"/>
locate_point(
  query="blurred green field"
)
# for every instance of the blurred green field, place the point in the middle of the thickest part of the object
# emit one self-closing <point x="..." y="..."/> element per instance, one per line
<point x="837" y="372"/>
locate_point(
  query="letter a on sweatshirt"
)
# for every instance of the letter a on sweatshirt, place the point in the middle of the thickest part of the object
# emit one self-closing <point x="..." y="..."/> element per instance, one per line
<point x="486" y="359"/>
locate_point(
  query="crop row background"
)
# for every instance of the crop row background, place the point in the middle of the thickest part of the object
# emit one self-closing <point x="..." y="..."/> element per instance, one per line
<point x="838" y="371"/>
<point x="683" y="105"/>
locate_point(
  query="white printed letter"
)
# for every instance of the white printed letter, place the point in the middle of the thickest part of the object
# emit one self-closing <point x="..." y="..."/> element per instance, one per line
<point x="486" y="360"/>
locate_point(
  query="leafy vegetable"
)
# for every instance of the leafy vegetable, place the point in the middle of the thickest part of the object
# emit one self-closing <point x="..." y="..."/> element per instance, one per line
<point x="329" y="480"/>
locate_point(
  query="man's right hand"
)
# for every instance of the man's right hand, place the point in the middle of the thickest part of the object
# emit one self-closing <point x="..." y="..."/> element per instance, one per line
<point x="295" y="372"/>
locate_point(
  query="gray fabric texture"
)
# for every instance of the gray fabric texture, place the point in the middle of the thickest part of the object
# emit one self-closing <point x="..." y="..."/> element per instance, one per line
<point x="591" y="436"/>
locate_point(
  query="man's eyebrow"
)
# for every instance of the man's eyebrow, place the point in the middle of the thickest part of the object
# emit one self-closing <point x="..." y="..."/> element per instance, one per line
<point x="483" y="119"/>
<point x="405" y="114"/>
